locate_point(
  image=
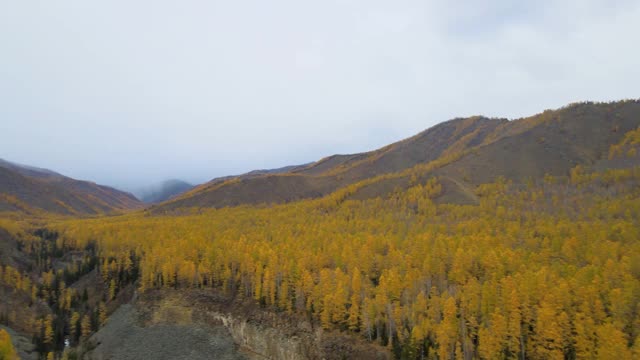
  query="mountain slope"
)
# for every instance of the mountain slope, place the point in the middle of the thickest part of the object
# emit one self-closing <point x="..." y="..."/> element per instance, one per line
<point x="550" y="143"/>
<point x="467" y="152"/>
<point x="327" y="175"/>
<point x="442" y="139"/>
<point x="29" y="189"/>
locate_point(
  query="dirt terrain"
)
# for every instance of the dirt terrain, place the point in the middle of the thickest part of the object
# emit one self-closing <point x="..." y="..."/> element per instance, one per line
<point x="128" y="335"/>
<point x="202" y="324"/>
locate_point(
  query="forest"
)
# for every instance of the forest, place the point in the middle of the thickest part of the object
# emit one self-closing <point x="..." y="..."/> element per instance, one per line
<point x="548" y="269"/>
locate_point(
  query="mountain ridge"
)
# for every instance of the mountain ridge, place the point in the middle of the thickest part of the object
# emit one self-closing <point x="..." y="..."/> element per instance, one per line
<point x="30" y="189"/>
<point x="481" y="149"/>
<point x="462" y="152"/>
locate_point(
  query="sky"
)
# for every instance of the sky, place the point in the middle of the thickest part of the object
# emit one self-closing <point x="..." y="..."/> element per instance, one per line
<point x="129" y="93"/>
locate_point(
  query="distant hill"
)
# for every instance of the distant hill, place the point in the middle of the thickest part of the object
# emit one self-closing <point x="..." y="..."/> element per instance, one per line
<point x="29" y="189"/>
<point x="463" y="152"/>
<point x="258" y="173"/>
<point x="165" y="191"/>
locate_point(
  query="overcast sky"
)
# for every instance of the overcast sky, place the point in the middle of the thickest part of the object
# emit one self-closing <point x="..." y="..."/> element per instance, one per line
<point x="128" y="93"/>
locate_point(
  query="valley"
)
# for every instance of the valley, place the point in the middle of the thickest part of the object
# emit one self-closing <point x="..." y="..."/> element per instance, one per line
<point x="476" y="239"/>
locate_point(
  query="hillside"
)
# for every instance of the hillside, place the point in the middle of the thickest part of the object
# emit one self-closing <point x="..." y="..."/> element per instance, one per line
<point x="31" y="190"/>
<point x="468" y="151"/>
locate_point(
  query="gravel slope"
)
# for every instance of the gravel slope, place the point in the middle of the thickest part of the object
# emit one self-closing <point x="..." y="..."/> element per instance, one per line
<point x="124" y="337"/>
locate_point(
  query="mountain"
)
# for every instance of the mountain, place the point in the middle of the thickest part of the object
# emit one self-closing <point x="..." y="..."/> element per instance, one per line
<point x="29" y="189"/>
<point x="463" y="152"/>
<point x="257" y="173"/>
<point x="165" y="191"/>
<point x="326" y="175"/>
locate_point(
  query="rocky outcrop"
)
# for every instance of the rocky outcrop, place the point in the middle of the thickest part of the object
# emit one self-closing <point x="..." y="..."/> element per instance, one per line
<point x="267" y="334"/>
<point x="198" y="324"/>
<point x="262" y="342"/>
<point x="127" y="336"/>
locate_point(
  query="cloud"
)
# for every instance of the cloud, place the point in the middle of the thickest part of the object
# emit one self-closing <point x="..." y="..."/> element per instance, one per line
<point x="128" y="93"/>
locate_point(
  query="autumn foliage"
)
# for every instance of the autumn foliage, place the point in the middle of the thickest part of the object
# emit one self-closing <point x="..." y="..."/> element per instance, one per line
<point x="7" y="352"/>
<point x="542" y="271"/>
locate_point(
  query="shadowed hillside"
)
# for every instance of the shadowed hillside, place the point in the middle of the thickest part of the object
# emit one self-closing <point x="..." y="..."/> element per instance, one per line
<point x="465" y="152"/>
<point x="31" y="190"/>
<point x="165" y="191"/>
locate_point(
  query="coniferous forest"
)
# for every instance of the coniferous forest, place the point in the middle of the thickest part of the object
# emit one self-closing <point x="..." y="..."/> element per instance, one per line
<point x="539" y="268"/>
<point x="319" y="180"/>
